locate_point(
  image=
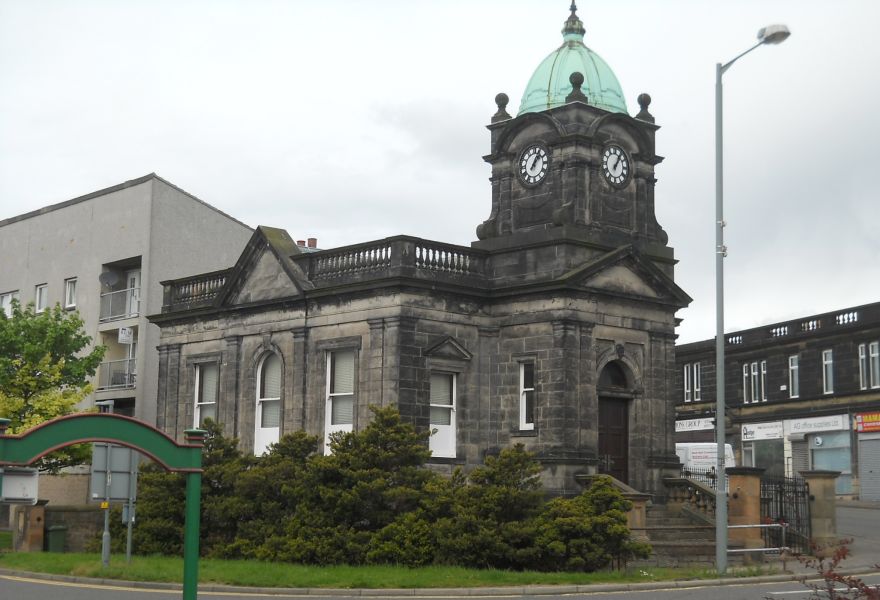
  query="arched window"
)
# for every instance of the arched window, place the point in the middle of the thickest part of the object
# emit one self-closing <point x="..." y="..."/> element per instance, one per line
<point x="268" y="412"/>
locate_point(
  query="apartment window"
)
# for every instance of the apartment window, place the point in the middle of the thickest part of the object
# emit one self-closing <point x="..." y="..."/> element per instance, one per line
<point x="692" y="382"/>
<point x="340" y="393"/>
<point x="869" y="365"/>
<point x="6" y="302"/>
<point x="207" y="387"/>
<point x="267" y="416"/>
<point x="755" y="382"/>
<point x="827" y="371"/>
<point x="527" y="396"/>
<point x="442" y="441"/>
<point x="41" y="297"/>
<point x="793" y="381"/>
<point x="70" y="293"/>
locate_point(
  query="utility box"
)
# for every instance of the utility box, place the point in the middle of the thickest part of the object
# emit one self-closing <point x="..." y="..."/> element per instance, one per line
<point x="19" y="485"/>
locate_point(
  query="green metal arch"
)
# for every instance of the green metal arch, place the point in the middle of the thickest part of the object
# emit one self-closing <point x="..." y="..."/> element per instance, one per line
<point x="65" y="431"/>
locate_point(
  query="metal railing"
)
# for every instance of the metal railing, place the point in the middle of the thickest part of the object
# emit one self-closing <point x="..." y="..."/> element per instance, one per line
<point x="783" y="549"/>
<point x="120" y="304"/>
<point x="117" y="374"/>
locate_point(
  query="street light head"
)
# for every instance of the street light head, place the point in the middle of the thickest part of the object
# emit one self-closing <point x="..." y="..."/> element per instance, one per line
<point x="773" y="34"/>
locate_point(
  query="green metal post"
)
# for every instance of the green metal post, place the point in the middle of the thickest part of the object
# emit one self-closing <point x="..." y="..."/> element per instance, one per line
<point x="191" y="536"/>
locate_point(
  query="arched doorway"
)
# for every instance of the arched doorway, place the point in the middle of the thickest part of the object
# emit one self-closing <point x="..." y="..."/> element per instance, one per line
<point x="614" y="391"/>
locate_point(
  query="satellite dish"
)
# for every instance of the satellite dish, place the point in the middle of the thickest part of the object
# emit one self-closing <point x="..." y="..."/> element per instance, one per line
<point x="109" y="278"/>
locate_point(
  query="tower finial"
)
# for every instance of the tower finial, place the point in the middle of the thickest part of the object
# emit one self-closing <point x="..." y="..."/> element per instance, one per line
<point x="573" y="24"/>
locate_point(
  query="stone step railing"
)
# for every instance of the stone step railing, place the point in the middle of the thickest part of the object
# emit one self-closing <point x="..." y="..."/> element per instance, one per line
<point x="691" y="497"/>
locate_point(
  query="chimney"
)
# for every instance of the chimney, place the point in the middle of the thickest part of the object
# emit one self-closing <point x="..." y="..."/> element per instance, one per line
<point x="301" y="243"/>
<point x="313" y="242"/>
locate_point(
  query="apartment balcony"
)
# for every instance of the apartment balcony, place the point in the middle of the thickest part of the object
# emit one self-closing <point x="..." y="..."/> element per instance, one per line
<point x="120" y="304"/>
<point x="117" y="375"/>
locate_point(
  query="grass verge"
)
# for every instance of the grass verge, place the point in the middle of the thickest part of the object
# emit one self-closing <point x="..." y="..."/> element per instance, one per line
<point x="264" y="574"/>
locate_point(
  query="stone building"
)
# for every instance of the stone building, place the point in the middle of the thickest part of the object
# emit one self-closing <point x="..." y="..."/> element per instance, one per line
<point x="555" y="329"/>
<point x="800" y="394"/>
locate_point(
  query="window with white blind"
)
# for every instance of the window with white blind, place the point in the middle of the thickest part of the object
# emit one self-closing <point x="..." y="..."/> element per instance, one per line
<point x="442" y="441"/>
<point x="268" y="410"/>
<point x="207" y="387"/>
<point x="340" y="394"/>
<point x="527" y="396"/>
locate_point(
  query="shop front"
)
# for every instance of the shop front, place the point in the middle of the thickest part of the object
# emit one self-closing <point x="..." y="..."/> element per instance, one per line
<point x="763" y="446"/>
<point x="868" y="433"/>
<point x="821" y="443"/>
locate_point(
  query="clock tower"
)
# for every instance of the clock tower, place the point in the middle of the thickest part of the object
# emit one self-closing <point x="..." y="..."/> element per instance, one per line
<point x="581" y="276"/>
<point x="573" y="163"/>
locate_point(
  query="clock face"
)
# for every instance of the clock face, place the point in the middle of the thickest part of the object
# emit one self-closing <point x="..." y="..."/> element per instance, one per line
<point x="615" y="166"/>
<point x="533" y="164"/>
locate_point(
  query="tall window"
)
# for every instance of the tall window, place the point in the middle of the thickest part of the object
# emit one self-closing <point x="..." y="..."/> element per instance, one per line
<point x="827" y="371"/>
<point x="70" y="293"/>
<point x="41" y="297"/>
<point x="6" y="302"/>
<point x="755" y="382"/>
<point x="442" y="442"/>
<point x="527" y="396"/>
<point x="869" y="365"/>
<point x="268" y="411"/>
<point x="340" y="394"/>
<point x="692" y="384"/>
<point x="793" y="381"/>
<point x="207" y="380"/>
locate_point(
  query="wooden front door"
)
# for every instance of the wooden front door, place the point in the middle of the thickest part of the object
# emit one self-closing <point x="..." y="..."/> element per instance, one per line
<point x="614" y="438"/>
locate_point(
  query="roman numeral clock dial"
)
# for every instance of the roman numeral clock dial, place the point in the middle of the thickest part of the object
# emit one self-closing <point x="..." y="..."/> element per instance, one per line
<point x="616" y="166"/>
<point x="533" y="164"/>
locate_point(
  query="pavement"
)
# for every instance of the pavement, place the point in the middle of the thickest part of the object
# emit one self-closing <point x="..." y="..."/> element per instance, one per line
<point x="856" y="520"/>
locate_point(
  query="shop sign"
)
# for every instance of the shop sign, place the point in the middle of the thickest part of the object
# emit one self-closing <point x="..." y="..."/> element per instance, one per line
<point x="694" y="425"/>
<point x="814" y="424"/>
<point x="762" y="431"/>
<point x="868" y="422"/>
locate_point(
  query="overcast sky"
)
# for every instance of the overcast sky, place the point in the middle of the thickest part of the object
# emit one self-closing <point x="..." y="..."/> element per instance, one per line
<point x="353" y="120"/>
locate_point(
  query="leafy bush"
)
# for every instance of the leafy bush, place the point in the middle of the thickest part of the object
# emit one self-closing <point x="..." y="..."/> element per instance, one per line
<point x="372" y="501"/>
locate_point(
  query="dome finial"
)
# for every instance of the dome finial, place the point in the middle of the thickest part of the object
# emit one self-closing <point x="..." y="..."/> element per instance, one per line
<point x="577" y="80"/>
<point x="573" y="25"/>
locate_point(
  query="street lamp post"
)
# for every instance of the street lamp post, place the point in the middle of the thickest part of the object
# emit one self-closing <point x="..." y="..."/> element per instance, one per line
<point x="772" y="34"/>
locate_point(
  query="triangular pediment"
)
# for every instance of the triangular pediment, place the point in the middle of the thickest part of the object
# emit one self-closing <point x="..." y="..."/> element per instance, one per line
<point x="626" y="272"/>
<point x="448" y="347"/>
<point x="265" y="271"/>
<point x="265" y="279"/>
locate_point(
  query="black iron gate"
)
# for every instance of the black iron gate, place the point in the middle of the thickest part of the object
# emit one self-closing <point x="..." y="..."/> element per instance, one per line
<point x="786" y="500"/>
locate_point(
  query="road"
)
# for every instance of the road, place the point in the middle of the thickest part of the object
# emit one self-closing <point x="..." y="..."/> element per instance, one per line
<point x="18" y="588"/>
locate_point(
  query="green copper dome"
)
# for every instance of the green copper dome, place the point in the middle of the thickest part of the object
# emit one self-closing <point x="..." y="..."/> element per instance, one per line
<point x="549" y="84"/>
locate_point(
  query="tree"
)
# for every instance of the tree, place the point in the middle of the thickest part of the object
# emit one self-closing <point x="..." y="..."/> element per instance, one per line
<point x="44" y="371"/>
